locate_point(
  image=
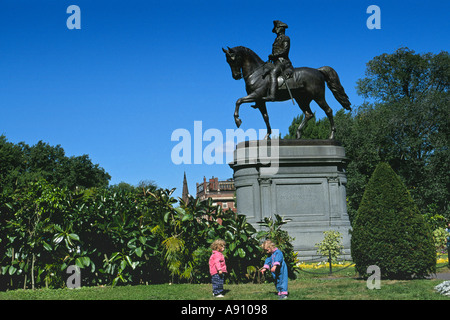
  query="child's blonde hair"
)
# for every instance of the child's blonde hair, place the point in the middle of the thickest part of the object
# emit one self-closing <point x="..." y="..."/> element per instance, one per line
<point x="217" y="244"/>
<point x="268" y="244"/>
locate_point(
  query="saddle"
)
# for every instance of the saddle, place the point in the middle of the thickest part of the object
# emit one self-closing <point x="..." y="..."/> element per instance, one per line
<point x="287" y="75"/>
<point x="290" y="79"/>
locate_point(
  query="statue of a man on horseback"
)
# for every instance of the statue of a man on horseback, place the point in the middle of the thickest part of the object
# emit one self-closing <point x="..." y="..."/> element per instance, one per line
<point x="280" y="58"/>
<point x="285" y="82"/>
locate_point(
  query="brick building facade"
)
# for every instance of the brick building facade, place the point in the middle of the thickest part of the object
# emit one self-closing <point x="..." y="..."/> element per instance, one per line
<point x="221" y="192"/>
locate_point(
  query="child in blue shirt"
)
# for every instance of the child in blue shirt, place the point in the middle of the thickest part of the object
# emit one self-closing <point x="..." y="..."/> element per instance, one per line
<point x="275" y="263"/>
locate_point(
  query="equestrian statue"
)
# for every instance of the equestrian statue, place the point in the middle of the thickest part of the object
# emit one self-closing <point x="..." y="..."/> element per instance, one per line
<point x="277" y="80"/>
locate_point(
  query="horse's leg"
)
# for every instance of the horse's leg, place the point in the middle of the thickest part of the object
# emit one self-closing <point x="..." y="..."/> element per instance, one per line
<point x="304" y="106"/>
<point x="250" y="98"/>
<point x="262" y="107"/>
<point x="329" y="112"/>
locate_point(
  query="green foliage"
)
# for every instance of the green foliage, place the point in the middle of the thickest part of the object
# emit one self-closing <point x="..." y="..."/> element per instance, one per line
<point x="32" y="231"/>
<point x="331" y="245"/>
<point x="21" y="164"/>
<point x="313" y="130"/>
<point x="440" y="239"/>
<point x="405" y="74"/>
<point x="404" y="122"/>
<point x="389" y="232"/>
<point x="116" y="235"/>
<point x="242" y="248"/>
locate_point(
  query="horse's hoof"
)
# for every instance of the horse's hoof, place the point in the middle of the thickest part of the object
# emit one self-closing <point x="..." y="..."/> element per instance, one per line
<point x="238" y="122"/>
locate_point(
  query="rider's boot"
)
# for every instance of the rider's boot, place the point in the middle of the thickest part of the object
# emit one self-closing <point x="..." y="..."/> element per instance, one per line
<point x="273" y="88"/>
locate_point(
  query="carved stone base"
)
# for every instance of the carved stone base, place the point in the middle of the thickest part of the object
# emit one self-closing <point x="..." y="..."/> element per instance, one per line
<point x="301" y="180"/>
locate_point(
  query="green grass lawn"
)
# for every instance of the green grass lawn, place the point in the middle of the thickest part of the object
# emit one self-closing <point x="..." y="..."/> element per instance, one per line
<point x="306" y="287"/>
<point x="317" y="289"/>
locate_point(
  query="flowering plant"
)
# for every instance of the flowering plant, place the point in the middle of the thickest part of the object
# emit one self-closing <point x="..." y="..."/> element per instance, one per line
<point x="443" y="288"/>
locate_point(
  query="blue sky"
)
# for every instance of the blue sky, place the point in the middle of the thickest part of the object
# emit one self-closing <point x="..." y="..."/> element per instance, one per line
<point x="137" y="71"/>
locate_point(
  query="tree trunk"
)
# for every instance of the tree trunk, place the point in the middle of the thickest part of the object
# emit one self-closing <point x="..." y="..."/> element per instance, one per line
<point x="32" y="272"/>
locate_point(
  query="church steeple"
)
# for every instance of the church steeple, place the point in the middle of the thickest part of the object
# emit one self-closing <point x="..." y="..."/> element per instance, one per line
<point x="185" y="194"/>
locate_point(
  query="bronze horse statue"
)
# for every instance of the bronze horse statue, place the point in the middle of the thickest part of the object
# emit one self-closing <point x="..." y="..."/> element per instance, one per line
<point x="305" y="85"/>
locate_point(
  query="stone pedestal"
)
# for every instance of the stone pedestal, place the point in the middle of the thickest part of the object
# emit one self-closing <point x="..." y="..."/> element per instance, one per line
<point x="301" y="180"/>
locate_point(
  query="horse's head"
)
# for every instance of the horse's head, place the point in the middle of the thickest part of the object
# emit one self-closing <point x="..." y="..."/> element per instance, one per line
<point x="235" y="61"/>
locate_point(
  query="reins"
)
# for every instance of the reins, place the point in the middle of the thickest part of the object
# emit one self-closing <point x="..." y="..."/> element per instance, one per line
<point x="261" y="66"/>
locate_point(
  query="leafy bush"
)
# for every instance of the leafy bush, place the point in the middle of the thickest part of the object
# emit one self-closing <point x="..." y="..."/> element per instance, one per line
<point x="116" y="236"/>
<point x="389" y="232"/>
<point x="331" y="245"/>
<point x="440" y="239"/>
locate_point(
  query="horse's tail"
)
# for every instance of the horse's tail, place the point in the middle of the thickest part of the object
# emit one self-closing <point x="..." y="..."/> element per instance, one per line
<point x="333" y="83"/>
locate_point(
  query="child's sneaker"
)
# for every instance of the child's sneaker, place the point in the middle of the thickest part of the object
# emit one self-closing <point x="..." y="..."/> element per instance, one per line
<point x="218" y="295"/>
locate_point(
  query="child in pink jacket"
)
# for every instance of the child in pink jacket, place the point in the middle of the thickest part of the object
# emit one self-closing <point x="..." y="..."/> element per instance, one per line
<point x="217" y="267"/>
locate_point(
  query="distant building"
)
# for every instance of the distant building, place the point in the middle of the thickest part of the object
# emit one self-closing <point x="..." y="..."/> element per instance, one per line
<point x="185" y="193"/>
<point x="221" y="192"/>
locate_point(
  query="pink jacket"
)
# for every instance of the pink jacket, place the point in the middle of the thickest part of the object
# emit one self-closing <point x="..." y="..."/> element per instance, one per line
<point x="217" y="263"/>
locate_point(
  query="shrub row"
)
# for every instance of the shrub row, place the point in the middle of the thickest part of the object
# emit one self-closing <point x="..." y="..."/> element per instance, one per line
<point x="118" y="236"/>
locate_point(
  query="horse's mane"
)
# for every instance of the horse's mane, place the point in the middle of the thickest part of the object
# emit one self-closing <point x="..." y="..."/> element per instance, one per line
<point x="248" y="52"/>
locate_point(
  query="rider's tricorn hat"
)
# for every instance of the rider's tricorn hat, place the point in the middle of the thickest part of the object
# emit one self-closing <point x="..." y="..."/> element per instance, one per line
<point x="278" y="23"/>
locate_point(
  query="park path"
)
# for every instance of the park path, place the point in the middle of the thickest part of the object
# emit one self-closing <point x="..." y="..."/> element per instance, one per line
<point x="442" y="276"/>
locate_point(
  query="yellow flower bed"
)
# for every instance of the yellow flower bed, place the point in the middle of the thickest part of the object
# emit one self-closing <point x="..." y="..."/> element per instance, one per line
<point x="323" y="264"/>
<point x="442" y="260"/>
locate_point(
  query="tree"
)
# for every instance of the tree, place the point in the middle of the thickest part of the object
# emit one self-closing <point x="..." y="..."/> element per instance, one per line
<point x="331" y="245"/>
<point x="21" y="164"/>
<point x="405" y="123"/>
<point x="405" y="74"/>
<point x="81" y="172"/>
<point x="313" y="130"/>
<point x="389" y="232"/>
<point x="12" y="163"/>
